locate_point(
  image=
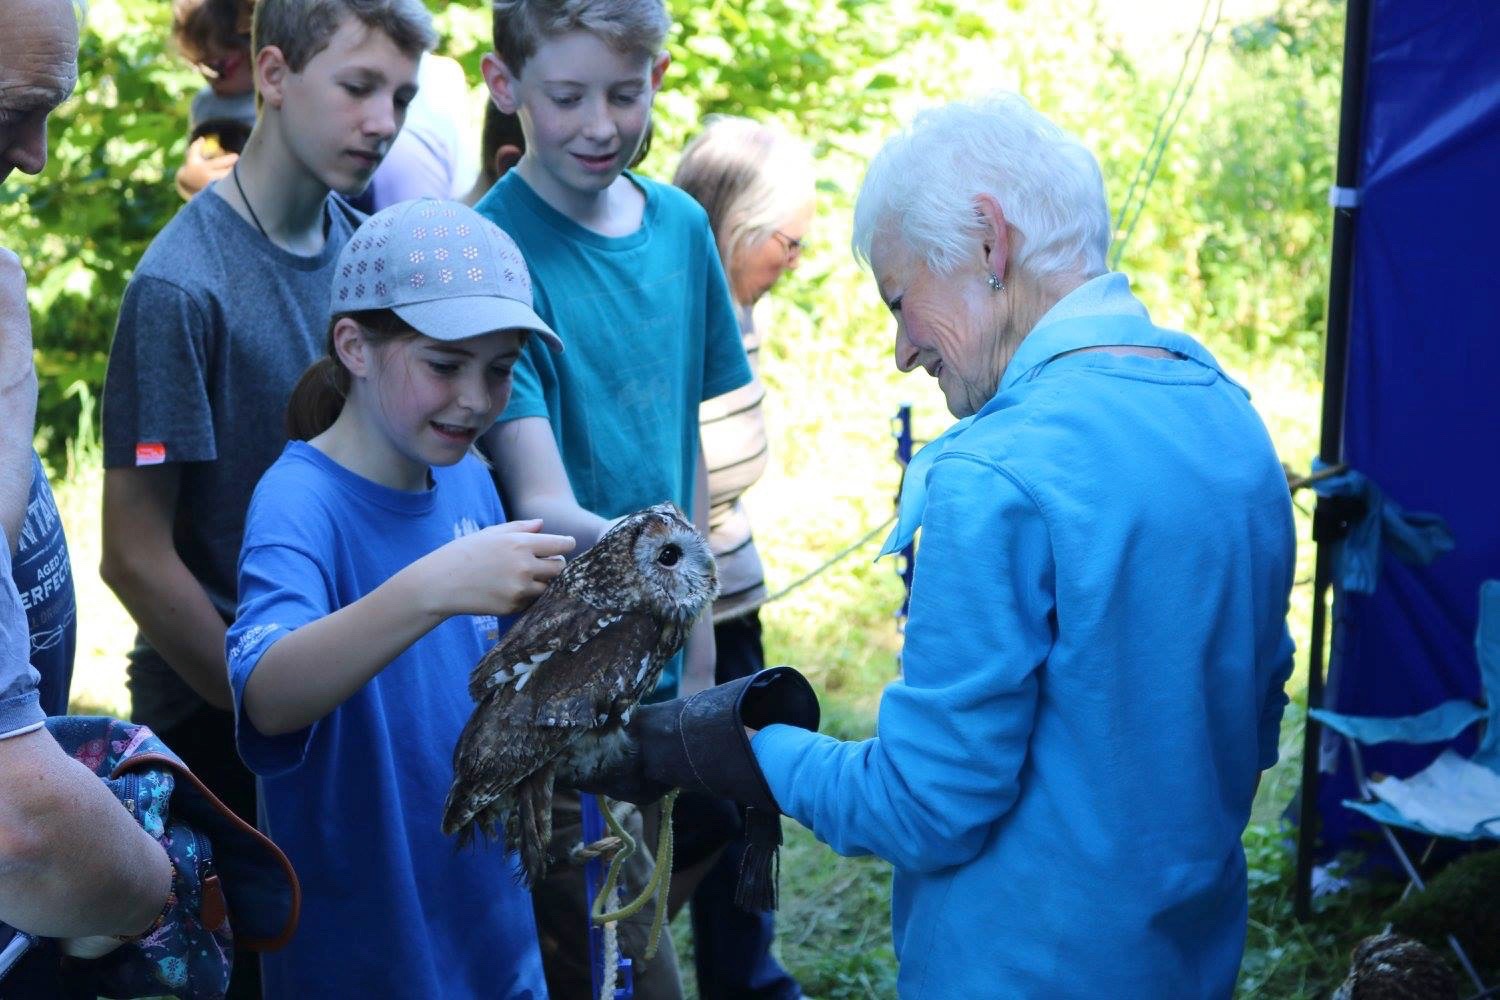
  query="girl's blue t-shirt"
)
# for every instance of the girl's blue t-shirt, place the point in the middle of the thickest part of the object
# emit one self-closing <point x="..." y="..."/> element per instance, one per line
<point x="390" y="907"/>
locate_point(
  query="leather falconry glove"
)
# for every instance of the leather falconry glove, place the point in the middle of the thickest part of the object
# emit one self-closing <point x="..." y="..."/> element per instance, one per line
<point x="699" y="743"/>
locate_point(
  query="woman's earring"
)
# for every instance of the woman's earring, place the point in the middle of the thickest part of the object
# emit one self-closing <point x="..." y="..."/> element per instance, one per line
<point x="996" y="283"/>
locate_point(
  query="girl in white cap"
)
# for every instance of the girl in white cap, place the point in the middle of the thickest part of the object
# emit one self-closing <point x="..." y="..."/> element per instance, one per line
<point x="376" y="560"/>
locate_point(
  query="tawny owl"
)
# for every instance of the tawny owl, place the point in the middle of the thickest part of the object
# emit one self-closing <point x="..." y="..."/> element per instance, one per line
<point x="1390" y="967"/>
<point x="554" y="694"/>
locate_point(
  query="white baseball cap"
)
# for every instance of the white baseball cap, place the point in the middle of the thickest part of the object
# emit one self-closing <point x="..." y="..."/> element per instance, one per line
<point x="443" y="268"/>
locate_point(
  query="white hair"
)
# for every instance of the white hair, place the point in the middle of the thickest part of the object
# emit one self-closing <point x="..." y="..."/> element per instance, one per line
<point x="749" y="176"/>
<point x="922" y="184"/>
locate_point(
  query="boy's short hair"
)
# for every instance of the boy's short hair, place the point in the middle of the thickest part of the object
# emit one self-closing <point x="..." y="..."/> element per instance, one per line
<point x="206" y="29"/>
<point x="633" y="27"/>
<point x="303" y="28"/>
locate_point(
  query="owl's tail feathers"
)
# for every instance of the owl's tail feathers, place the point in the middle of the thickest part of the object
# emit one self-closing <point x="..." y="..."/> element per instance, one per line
<point x="470" y="816"/>
<point x="534" y="809"/>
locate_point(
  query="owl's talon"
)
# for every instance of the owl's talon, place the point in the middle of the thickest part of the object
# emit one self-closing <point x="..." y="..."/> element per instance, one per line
<point x="605" y="846"/>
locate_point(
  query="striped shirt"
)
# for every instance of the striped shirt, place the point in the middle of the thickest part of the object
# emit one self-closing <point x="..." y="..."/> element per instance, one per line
<point x="735" y="449"/>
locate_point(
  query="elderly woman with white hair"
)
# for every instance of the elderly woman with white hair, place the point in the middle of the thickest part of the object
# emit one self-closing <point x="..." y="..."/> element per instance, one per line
<point x="1097" y="648"/>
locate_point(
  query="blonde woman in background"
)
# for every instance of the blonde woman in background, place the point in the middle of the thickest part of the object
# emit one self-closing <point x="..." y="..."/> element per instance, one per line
<point x="756" y="183"/>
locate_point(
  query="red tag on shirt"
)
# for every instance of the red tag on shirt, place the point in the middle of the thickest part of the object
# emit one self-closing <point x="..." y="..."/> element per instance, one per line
<point x="150" y="453"/>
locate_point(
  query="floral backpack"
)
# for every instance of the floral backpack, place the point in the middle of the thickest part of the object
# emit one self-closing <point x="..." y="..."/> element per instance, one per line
<point x="232" y="885"/>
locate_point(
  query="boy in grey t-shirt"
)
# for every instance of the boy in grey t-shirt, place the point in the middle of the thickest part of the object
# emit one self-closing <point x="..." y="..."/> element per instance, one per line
<point x="217" y="325"/>
<point x="225" y="311"/>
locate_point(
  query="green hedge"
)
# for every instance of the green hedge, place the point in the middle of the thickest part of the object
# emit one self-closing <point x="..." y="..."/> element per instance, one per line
<point x="1232" y="241"/>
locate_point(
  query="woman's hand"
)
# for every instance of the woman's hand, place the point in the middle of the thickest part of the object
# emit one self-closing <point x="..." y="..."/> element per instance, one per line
<point x="497" y="571"/>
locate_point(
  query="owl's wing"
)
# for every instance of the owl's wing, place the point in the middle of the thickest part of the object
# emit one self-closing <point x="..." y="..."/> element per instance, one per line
<point x="494" y="753"/>
<point x="576" y="666"/>
<point x="558" y="621"/>
<point x="533" y="705"/>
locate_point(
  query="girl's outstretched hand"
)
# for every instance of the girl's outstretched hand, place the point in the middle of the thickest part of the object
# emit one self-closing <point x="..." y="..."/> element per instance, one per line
<point x="497" y="571"/>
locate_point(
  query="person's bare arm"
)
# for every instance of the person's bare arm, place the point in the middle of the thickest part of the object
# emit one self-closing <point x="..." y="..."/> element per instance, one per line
<point x="142" y="566"/>
<point x="700" y="653"/>
<point x="73" y="862"/>
<point x="312" y="671"/>
<point x="17" y="397"/>
<point x="534" y="482"/>
<point x="200" y="168"/>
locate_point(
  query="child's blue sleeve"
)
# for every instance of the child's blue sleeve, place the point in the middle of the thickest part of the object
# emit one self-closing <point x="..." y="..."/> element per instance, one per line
<point x="952" y="736"/>
<point x="281" y="589"/>
<point x="725" y="367"/>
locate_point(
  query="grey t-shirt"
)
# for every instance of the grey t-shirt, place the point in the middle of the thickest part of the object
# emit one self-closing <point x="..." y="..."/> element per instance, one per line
<point x="20" y="708"/>
<point x="208" y="106"/>
<point x="215" y="328"/>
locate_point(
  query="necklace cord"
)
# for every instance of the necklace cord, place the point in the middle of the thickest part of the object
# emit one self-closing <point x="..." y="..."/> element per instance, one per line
<point x="234" y="172"/>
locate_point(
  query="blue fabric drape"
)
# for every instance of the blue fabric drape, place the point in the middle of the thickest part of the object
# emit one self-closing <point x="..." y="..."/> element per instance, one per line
<point x="1414" y="537"/>
<point x="1423" y="414"/>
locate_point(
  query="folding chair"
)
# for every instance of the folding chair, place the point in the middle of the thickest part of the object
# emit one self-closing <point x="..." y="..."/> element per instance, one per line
<point x="1453" y="797"/>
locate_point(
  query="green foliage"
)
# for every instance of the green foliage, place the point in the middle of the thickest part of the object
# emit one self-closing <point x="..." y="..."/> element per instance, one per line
<point x="82" y="225"/>
<point x="831" y="67"/>
<point x="1242" y="196"/>
<point x="1288" y="960"/>
<point x="1461" y="900"/>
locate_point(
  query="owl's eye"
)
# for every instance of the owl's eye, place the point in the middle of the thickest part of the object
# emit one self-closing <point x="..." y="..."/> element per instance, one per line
<point x="669" y="555"/>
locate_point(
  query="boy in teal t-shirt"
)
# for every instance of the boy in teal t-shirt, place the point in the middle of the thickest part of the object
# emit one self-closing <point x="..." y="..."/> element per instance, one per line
<point x="626" y="267"/>
<point x="627" y="271"/>
<point x="654" y="335"/>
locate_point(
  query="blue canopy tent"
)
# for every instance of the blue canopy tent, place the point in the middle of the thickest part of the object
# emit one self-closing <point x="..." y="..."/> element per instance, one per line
<point x="1411" y="377"/>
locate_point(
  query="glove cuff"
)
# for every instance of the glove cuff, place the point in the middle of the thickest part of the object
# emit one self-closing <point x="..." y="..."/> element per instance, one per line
<point x="705" y="746"/>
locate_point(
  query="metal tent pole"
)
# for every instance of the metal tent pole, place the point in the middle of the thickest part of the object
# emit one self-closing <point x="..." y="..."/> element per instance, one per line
<point x="1328" y="517"/>
<point x="905" y="562"/>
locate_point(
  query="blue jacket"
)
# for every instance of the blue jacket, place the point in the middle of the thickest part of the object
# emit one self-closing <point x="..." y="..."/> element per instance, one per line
<point x="1094" y="667"/>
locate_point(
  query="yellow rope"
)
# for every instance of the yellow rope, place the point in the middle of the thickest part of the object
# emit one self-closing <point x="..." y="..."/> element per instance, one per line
<point x="657" y="887"/>
<point x="664" y="867"/>
<point x="612" y="875"/>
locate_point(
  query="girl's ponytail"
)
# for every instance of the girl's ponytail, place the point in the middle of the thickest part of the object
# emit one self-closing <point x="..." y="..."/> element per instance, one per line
<point x="318" y="399"/>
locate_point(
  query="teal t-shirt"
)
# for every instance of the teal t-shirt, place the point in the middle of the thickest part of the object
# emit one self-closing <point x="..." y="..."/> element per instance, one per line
<point x="650" y="333"/>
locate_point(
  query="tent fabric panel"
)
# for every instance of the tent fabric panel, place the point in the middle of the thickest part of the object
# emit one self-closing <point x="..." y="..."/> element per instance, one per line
<point x="1422" y="416"/>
